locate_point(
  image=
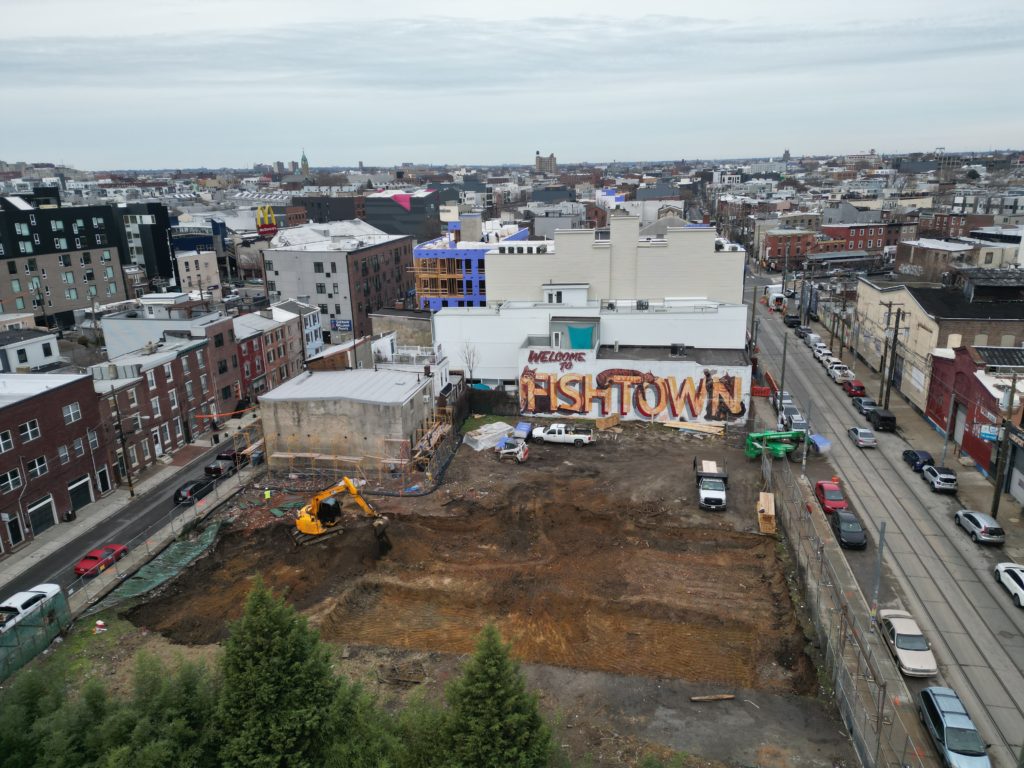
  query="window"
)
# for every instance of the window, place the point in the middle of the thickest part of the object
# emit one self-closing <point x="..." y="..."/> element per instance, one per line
<point x="218" y="340"/>
<point x="64" y="259"/>
<point x="151" y="378"/>
<point x="15" y="285"/>
<point x="225" y="393"/>
<point x="133" y="456"/>
<point x="79" y="446"/>
<point x="22" y="356"/>
<point x="111" y="289"/>
<point x="268" y="265"/>
<point x="222" y="366"/>
<point x="184" y="366"/>
<point x="173" y="398"/>
<point x="37" y="467"/>
<point x="94" y="440"/>
<point x="145" y="450"/>
<point x="202" y="383"/>
<point x="63" y="454"/>
<point x="12" y="267"/>
<point x="105" y="256"/>
<point x="71" y="293"/>
<point x="6" y="441"/>
<point x="168" y="372"/>
<point x="19" y="303"/>
<point x="10" y="480"/>
<point x="29" y="431"/>
<point x="188" y="389"/>
<point x="21" y="228"/>
<point x="154" y="404"/>
<point x="318" y="267"/>
<point x="72" y="413"/>
<point x="108" y="272"/>
<point x="200" y="363"/>
<point x="321" y="288"/>
<point x="133" y="400"/>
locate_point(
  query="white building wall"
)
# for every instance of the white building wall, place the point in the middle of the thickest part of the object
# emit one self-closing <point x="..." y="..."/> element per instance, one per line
<point x="684" y="264"/>
<point x="293" y="276"/>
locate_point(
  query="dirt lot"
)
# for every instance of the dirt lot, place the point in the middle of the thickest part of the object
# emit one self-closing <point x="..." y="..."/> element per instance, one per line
<point x="592" y="558"/>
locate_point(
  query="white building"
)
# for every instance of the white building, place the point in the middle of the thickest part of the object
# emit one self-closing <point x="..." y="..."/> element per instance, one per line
<point x="617" y="265"/>
<point x="199" y="275"/>
<point x="24" y="350"/>
<point x="312" y="331"/>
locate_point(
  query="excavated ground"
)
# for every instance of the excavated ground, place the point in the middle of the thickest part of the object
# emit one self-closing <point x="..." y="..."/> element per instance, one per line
<point x="594" y="559"/>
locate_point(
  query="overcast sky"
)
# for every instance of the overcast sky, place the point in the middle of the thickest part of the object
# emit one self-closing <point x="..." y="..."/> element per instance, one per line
<point x="103" y="84"/>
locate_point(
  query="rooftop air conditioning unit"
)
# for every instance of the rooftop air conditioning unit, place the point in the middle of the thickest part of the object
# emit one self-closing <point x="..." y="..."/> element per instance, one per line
<point x="642" y="304"/>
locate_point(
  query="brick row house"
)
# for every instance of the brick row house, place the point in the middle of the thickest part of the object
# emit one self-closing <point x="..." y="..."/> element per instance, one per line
<point x="155" y="401"/>
<point x="54" y="452"/>
<point x="269" y="351"/>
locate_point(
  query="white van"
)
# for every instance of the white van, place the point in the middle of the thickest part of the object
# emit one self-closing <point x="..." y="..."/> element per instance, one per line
<point x="18" y="606"/>
<point x="811" y="339"/>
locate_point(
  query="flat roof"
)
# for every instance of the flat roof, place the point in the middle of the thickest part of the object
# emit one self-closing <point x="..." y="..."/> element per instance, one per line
<point x="691" y="355"/>
<point x="15" y="387"/>
<point x="383" y="386"/>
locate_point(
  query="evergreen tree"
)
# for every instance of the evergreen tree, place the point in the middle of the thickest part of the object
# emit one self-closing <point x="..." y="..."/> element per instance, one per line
<point x="278" y="689"/>
<point x="362" y="735"/>
<point x="424" y="731"/>
<point x="495" y="722"/>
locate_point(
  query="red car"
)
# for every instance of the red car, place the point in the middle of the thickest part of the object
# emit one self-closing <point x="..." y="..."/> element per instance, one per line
<point x="830" y="496"/>
<point x="854" y="388"/>
<point x="96" y="562"/>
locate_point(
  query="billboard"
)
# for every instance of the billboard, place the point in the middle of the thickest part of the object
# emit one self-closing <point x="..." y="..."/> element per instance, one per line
<point x="266" y="221"/>
<point x="554" y="382"/>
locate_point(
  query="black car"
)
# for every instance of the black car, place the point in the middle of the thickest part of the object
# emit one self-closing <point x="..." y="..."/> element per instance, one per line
<point x="802" y="331"/>
<point x="192" y="491"/>
<point x="791" y="321"/>
<point x="848" y="530"/>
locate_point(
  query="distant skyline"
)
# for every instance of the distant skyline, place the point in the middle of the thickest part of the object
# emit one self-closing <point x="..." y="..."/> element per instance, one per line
<point x="109" y="84"/>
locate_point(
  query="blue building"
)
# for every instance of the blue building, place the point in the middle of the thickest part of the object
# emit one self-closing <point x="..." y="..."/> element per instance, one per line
<point x="450" y="270"/>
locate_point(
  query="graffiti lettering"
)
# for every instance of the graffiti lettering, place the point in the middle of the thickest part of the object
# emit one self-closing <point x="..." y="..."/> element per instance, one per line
<point x="564" y="359"/>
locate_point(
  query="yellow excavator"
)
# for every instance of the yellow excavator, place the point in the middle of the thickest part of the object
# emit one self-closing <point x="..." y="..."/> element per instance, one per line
<point x="321" y="516"/>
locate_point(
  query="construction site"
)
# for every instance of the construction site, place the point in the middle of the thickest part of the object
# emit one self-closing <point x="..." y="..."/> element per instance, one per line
<point x="590" y="561"/>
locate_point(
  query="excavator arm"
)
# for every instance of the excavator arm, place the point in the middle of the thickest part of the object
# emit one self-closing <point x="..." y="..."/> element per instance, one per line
<point x="312" y="523"/>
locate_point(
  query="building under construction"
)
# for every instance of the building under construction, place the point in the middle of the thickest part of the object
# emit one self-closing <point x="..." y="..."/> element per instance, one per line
<point x="370" y="423"/>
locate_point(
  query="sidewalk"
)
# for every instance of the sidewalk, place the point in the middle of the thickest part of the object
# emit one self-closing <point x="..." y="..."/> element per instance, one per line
<point x="975" y="490"/>
<point x="52" y="539"/>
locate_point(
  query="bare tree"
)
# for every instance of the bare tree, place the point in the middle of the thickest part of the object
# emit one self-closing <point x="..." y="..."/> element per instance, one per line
<point x="471" y="356"/>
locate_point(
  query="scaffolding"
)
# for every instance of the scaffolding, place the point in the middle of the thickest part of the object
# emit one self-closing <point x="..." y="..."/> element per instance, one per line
<point x="440" y="278"/>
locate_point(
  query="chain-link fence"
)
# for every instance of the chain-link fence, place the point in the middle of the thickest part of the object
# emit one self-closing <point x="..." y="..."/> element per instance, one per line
<point x="875" y="711"/>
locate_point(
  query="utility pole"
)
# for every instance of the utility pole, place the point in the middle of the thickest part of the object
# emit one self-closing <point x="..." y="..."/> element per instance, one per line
<point x="885" y="348"/>
<point x="1001" y="455"/>
<point x="949" y="425"/>
<point x="119" y="428"/>
<point x="878" y="573"/>
<point x="892" y="359"/>
<point x="782" y="378"/>
<point x="807" y="439"/>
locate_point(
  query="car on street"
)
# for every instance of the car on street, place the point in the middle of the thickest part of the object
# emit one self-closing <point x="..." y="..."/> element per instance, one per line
<point x="854" y="388"/>
<point x="219" y="468"/>
<point x="848" y="530"/>
<point x="840" y="373"/>
<point x="193" y="491"/>
<point x="864" y="405"/>
<point x="907" y="644"/>
<point x="781" y="399"/>
<point x="941" y="479"/>
<point x="862" y="437"/>
<point x="821" y="350"/>
<point x="791" y="321"/>
<point x="1011" y="576"/>
<point x="22" y="604"/>
<point x="827" y="360"/>
<point x="830" y="496"/>
<point x="97" y="561"/>
<point x="984" y="529"/>
<point x="954" y="734"/>
<point x="917" y="460"/>
<point x="802" y="330"/>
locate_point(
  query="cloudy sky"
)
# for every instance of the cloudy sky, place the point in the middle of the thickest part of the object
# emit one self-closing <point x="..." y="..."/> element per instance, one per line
<point x="101" y="84"/>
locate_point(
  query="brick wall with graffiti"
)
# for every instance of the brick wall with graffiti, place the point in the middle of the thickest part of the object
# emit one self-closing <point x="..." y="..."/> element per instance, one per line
<point x="577" y="383"/>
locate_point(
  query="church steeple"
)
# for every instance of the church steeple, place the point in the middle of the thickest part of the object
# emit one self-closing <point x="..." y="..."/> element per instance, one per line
<point x="305" y="163"/>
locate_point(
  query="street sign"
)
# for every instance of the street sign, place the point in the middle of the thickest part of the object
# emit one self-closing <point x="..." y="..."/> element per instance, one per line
<point x="989" y="432"/>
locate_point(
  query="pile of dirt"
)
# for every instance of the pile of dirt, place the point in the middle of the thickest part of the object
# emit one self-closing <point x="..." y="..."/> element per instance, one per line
<point x="577" y="562"/>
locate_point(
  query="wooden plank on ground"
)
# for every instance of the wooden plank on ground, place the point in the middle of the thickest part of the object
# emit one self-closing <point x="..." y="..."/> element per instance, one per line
<point x="707" y="429"/>
<point x="714" y="697"/>
<point x="607" y="422"/>
<point x="766" y="512"/>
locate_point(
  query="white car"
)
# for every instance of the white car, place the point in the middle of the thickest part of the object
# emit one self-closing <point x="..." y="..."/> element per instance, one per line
<point x="18" y="606"/>
<point x="1011" y="576"/>
<point x="821" y="351"/>
<point x="841" y="374"/>
<point x="907" y="644"/>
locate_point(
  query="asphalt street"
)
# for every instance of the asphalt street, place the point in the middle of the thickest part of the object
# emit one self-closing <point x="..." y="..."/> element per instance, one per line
<point x="932" y="568"/>
<point x="122" y="527"/>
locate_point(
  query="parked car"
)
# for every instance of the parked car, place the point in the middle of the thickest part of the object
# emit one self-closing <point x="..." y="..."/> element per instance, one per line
<point x="864" y="405"/>
<point x="236" y="458"/>
<point x="862" y="437"/>
<point x="830" y="496"/>
<point x="812" y="340"/>
<point x="98" y="560"/>
<point x="821" y="350"/>
<point x="791" y="321"/>
<point x="193" y="491"/>
<point x="795" y="422"/>
<point x="939" y="478"/>
<point x="840" y="373"/>
<point x="781" y="399"/>
<point x="563" y="433"/>
<point x="917" y="460"/>
<point x="220" y="468"/>
<point x="984" y="529"/>
<point x="907" y="644"/>
<point x="954" y="734"/>
<point x="802" y="331"/>
<point x="1011" y="576"/>
<point x="881" y="419"/>
<point x="848" y="530"/>
<point x="21" y="604"/>
<point x="854" y="388"/>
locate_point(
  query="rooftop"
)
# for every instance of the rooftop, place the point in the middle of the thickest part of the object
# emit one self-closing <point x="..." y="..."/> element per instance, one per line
<point x="938" y="245"/>
<point x="362" y="385"/>
<point x="160" y="353"/>
<point x="697" y="355"/>
<point x="399" y="193"/>
<point x="23" y="334"/>
<point x="1001" y="357"/>
<point x="950" y="303"/>
<point x="15" y="387"/>
<point x="416" y="314"/>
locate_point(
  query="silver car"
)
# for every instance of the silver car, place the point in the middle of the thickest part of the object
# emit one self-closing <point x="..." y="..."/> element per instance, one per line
<point x="862" y="437"/>
<point x="939" y="478"/>
<point x="984" y="529"/>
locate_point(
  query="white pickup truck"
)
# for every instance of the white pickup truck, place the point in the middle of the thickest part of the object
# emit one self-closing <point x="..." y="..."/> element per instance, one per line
<point x="563" y="433"/>
<point x="712" y="482"/>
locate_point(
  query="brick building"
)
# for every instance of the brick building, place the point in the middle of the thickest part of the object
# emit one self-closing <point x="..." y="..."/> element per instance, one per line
<point x="940" y="226"/>
<point x="787" y="248"/>
<point x="269" y="351"/>
<point x="155" y="400"/>
<point x="53" y="452"/>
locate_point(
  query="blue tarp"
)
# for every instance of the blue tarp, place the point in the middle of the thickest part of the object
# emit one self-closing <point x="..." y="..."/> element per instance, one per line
<point x="821" y="444"/>
<point x="581" y="336"/>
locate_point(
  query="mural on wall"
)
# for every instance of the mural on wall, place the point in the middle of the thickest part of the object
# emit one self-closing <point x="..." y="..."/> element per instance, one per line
<point x="577" y="384"/>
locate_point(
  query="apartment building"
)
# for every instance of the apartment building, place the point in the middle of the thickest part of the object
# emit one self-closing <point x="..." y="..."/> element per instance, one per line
<point x="269" y="351"/>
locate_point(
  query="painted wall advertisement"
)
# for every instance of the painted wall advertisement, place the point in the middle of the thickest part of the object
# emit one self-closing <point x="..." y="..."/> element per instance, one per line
<point x="561" y="382"/>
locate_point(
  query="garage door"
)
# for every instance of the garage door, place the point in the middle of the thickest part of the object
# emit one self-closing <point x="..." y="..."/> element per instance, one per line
<point x="42" y="515"/>
<point x="80" y="491"/>
<point x="959" y="424"/>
